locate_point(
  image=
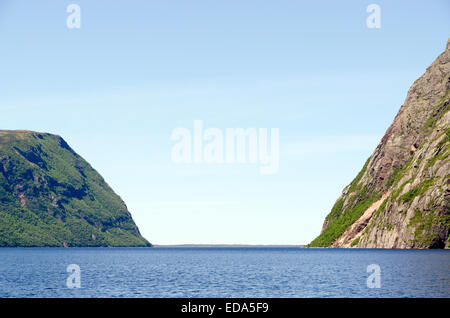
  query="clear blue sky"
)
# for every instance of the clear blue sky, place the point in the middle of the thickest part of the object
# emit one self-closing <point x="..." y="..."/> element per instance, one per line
<point x="116" y="88"/>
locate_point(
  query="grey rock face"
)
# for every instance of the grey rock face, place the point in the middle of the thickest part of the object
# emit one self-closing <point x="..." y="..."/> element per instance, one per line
<point x="405" y="183"/>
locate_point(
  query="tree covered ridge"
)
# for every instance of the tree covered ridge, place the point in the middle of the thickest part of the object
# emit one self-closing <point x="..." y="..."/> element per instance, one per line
<point x="50" y="196"/>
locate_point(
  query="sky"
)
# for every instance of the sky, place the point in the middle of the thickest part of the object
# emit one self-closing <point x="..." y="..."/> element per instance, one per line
<point x="117" y="87"/>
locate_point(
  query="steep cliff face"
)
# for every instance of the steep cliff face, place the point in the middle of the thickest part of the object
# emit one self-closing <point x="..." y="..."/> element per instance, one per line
<point x="50" y="196"/>
<point x="400" y="199"/>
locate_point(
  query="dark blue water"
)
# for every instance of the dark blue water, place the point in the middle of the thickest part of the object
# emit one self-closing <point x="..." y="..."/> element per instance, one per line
<point x="223" y="272"/>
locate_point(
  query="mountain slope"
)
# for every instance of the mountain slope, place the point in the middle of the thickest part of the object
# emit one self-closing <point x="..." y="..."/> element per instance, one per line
<point x="50" y="196"/>
<point x="400" y="199"/>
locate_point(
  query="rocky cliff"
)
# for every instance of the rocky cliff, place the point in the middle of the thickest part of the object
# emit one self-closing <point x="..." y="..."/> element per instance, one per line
<point x="50" y="196"/>
<point x="400" y="199"/>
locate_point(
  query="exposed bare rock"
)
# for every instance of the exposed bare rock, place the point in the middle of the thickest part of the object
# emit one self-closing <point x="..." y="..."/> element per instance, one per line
<point x="356" y="229"/>
<point x="400" y="199"/>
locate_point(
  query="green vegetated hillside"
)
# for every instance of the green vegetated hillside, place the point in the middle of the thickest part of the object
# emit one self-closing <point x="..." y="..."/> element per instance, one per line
<point x="50" y="196"/>
<point x="400" y="199"/>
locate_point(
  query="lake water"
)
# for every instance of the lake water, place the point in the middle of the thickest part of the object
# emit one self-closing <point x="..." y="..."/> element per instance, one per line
<point x="223" y="272"/>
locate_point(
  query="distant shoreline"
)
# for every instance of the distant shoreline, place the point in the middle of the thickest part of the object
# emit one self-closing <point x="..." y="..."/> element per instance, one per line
<point x="223" y="245"/>
<point x="160" y="245"/>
